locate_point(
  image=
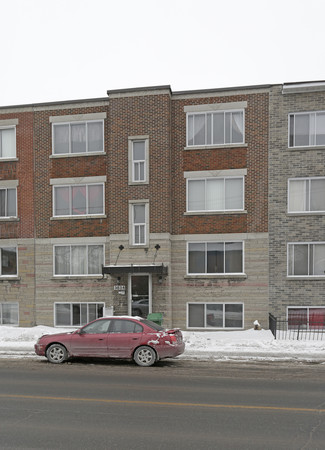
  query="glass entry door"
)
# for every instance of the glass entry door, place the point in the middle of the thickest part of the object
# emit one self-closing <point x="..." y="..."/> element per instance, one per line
<point x="140" y="295"/>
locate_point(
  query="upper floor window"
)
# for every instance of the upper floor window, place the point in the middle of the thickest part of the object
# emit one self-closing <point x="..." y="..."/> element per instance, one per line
<point x="306" y="259"/>
<point x="8" y="202"/>
<point x="8" y="257"/>
<point x="306" y="195"/>
<point x="78" y="259"/>
<point x="215" y="194"/>
<point x="78" y="137"/>
<point x="215" y="128"/>
<point x="307" y="129"/>
<point x="7" y="142"/>
<point x="215" y="258"/>
<point x="139" y="222"/>
<point x="78" y="200"/>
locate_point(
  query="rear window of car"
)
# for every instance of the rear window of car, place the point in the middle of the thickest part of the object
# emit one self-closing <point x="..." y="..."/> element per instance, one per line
<point x="125" y="326"/>
<point x="152" y="325"/>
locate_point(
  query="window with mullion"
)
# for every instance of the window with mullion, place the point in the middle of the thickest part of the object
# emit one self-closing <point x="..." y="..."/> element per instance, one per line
<point x="306" y="259"/>
<point x="78" y="259"/>
<point x="306" y="195"/>
<point x="78" y="137"/>
<point x="7" y="142"/>
<point x="307" y="129"/>
<point x="8" y="261"/>
<point x="8" y="202"/>
<point x="139" y="224"/>
<point x="139" y="160"/>
<point x="215" y="128"/>
<point x="77" y="314"/>
<point x="215" y="315"/>
<point x="215" y="258"/>
<point x="215" y="194"/>
<point x="78" y="200"/>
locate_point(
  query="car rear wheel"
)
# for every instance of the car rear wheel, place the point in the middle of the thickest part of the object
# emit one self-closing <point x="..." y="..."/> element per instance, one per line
<point x="56" y="354"/>
<point x="145" y="356"/>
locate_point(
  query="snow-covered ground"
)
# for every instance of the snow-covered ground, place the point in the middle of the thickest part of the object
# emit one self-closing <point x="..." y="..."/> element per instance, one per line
<point x="258" y="345"/>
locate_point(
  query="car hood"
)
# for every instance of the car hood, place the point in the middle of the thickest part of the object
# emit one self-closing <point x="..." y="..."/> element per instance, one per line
<point x="57" y="335"/>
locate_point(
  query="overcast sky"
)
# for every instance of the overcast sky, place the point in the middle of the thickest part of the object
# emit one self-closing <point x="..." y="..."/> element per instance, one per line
<point x="77" y="49"/>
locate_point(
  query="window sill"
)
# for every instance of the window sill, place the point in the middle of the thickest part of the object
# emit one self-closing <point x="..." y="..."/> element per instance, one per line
<point x="214" y="147"/>
<point x="73" y="155"/>
<point x="8" y="159"/>
<point x="138" y="183"/>
<point x="306" y="278"/>
<point x="10" y="278"/>
<point x="9" y="219"/>
<point x="307" y="213"/>
<point x="77" y="277"/>
<point x="94" y="216"/>
<point x="210" y="213"/>
<point x="309" y="147"/>
<point x="240" y="276"/>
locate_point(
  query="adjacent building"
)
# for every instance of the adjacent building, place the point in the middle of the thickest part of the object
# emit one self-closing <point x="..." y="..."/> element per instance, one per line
<point x="150" y="200"/>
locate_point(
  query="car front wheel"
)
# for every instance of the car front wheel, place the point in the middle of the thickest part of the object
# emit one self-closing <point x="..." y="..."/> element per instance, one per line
<point x="56" y="354"/>
<point x="144" y="356"/>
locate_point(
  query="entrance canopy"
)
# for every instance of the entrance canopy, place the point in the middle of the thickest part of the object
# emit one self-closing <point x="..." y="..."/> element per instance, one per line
<point x="159" y="269"/>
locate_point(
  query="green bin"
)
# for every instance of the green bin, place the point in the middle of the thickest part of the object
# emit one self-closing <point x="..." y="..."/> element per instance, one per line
<point x="156" y="318"/>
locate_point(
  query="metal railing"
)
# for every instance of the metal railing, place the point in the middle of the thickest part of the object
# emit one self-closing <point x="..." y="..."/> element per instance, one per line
<point x="297" y="328"/>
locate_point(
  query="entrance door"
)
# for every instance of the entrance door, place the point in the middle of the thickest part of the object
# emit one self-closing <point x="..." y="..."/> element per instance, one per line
<point x="140" y="295"/>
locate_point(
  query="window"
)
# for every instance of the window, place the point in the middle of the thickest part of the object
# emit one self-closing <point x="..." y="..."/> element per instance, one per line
<point x="139" y="227"/>
<point x="138" y="159"/>
<point x="8" y="142"/>
<point x="306" y="318"/>
<point x="8" y="261"/>
<point x="9" y="314"/>
<point x="306" y="259"/>
<point x="78" y="137"/>
<point x="125" y="326"/>
<point x="215" y="128"/>
<point x="306" y="195"/>
<point x="215" y="315"/>
<point x="215" y="194"/>
<point x="215" y="258"/>
<point x="76" y="314"/>
<point x="78" y="200"/>
<point x="307" y="129"/>
<point x="78" y="259"/>
<point x="8" y="202"/>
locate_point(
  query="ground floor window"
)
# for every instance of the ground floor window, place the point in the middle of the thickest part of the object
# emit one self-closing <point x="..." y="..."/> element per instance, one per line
<point x="78" y="259"/>
<point x="8" y="266"/>
<point x="306" y="318"/>
<point x="215" y="315"/>
<point x="76" y="314"/>
<point x="9" y="314"/>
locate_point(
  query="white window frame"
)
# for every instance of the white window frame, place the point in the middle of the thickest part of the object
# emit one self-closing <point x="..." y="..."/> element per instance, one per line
<point x="206" y="179"/>
<point x="69" y="124"/>
<point x="133" y="163"/>
<point x="71" y="312"/>
<point x="70" y="186"/>
<point x="8" y="127"/>
<point x="312" y="129"/>
<point x="6" y="187"/>
<point x="308" y="320"/>
<point x="310" y="263"/>
<point x="204" y="114"/>
<point x="206" y="255"/>
<point x="206" y="327"/>
<point x="307" y="195"/>
<point x="2" y="304"/>
<point x="4" y="247"/>
<point x="70" y="274"/>
<point x="133" y="226"/>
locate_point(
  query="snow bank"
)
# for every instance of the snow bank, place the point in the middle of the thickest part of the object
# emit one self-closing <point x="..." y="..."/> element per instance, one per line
<point x="215" y="345"/>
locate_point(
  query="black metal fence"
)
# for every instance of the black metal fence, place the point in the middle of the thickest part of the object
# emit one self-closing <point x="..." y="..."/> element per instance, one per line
<point x="297" y="327"/>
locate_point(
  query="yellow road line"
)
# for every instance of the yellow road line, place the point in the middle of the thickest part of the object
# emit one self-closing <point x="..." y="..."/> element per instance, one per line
<point x="149" y="403"/>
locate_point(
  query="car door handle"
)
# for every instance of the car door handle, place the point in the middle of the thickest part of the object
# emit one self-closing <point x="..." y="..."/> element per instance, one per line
<point x="101" y="339"/>
<point x="135" y="339"/>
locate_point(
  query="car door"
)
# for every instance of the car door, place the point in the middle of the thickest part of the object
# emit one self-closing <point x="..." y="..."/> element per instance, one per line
<point x="91" y="340"/>
<point x="123" y="337"/>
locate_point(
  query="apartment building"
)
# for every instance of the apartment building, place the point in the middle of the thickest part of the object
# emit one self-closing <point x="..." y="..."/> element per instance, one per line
<point x="297" y="203"/>
<point x="144" y="201"/>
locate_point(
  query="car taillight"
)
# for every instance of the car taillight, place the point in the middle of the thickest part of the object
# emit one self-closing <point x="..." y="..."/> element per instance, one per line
<point x="173" y="338"/>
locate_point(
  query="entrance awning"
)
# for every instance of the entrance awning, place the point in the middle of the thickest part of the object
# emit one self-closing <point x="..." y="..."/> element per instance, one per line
<point x="158" y="269"/>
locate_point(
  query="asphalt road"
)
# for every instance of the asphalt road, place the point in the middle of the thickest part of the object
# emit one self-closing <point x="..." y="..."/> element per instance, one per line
<point x="176" y="404"/>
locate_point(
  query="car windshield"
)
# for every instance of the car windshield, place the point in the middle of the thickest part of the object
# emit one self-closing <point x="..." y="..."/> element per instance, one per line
<point x="152" y="325"/>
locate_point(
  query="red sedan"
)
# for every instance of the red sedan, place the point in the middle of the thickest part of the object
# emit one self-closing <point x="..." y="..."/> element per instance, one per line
<point x="114" y="337"/>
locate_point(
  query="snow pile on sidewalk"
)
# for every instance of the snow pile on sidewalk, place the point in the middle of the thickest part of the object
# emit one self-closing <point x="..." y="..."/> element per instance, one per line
<point x="215" y="345"/>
